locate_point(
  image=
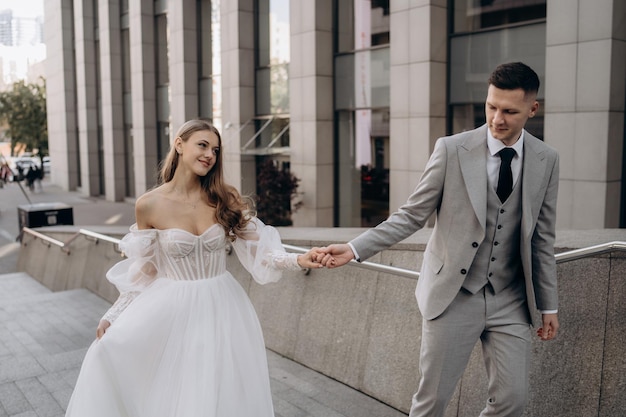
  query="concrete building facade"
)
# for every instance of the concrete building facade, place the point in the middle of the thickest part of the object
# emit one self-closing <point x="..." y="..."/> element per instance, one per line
<point x="349" y="96"/>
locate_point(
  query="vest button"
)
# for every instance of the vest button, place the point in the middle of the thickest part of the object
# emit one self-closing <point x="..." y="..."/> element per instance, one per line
<point x="501" y="210"/>
<point x="496" y="243"/>
<point x="463" y="271"/>
<point x="493" y="259"/>
<point x="499" y="226"/>
<point x="474" y="244"/>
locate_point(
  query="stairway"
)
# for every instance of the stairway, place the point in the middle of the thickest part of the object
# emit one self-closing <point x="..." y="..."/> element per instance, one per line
<point x="43" y="338"/>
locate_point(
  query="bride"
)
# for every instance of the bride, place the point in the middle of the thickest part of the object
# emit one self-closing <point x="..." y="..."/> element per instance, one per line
<point x="183" y="339"/>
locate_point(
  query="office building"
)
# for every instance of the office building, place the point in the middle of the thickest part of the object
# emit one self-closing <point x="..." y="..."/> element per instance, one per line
<point x="348" y="95"/>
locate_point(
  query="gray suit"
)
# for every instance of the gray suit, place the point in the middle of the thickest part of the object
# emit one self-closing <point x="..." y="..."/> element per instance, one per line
<point x="455" y="185"/>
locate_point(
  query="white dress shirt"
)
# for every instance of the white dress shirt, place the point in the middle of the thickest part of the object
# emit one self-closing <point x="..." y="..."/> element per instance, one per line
<point x="493" y="159"/>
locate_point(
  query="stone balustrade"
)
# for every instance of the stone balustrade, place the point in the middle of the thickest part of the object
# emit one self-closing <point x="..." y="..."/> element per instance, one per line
<point x="362" y="327"/>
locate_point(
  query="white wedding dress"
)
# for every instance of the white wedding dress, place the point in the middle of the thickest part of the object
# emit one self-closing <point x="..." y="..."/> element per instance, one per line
<point x="185" y="339"/>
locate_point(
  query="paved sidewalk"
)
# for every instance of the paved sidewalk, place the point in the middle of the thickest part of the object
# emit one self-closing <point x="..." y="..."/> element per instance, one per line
<point x="44" y="335"/>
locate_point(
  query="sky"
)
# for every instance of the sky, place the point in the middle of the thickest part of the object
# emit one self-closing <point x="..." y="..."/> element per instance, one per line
<point x="23" y="8"/>
<point x="15" y="61"/>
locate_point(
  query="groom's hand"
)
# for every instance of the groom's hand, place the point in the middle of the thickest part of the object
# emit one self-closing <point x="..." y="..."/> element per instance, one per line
<point x="336" y="255"/>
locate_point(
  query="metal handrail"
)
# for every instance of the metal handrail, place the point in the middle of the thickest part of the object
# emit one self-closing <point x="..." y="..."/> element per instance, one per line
<point x="571" y="255"/>
<point x="65" y="246"/>
<point x="99" y="236"/>
<point x="575" y="254"/>
<point x="367" y="265"/>
<point x="43" y="237"/>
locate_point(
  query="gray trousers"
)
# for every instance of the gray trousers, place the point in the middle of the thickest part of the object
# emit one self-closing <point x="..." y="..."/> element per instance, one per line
<point x="502" y="324"/>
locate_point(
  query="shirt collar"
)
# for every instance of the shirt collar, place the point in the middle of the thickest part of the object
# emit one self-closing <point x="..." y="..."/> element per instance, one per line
<point x="496" y="146"/>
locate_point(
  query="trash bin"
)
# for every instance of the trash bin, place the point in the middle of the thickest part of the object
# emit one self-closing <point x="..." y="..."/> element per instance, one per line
<point x="44" y="214"/>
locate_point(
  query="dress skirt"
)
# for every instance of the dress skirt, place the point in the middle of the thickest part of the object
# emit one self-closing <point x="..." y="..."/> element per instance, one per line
<point x="180" y="349"/>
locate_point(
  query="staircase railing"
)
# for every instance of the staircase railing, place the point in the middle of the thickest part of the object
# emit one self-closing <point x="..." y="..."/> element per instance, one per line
<point x="560" y="257"/>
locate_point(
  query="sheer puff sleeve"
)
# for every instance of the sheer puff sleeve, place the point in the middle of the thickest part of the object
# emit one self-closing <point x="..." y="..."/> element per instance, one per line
<point x="134" y="274"/>
<point x="261" y="252"/>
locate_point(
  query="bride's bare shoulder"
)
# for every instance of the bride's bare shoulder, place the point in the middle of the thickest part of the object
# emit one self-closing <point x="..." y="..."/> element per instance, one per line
<point x="151" y="197"/>
<point x="150" y="203"/>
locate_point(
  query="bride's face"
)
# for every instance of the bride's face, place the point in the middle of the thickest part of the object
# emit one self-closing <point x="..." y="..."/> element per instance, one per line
<point x="199" y="153"/>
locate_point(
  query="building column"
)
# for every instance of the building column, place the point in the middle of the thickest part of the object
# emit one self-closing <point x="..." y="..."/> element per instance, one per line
<point x="87" y="100"/>
<point x="418" y="67"/>
<point x="143" y="92"/>
<point x="112" y="100"/>
<point x="585" y="99"/>
<point x="61" y="93"/>
<point x="237" y="31"/>
<point x="311" y="110"/>
<point x="184" y="87"/>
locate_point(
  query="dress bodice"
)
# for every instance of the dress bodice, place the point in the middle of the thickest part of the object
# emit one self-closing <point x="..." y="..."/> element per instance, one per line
<point x="185" y="256"/>
<point x="179" y="255"/>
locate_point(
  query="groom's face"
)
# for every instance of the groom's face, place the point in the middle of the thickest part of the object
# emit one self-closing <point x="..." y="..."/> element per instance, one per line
<point x="507" y="112"/>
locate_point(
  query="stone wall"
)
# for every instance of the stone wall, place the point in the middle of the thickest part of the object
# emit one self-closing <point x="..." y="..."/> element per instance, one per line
<point x="362" y="327"/>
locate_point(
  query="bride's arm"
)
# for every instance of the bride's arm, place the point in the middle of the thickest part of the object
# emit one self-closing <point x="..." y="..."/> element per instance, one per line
<point x="113" y="313"/>
<point x="261" y="252"/>
<point x="137" y="272"/>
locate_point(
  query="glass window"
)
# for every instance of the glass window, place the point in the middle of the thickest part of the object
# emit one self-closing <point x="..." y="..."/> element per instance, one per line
<point x="473" y="58"/>
<point x="209" y="47"/>
<point x="474" y="15"/>
<point x="362" y="79"/>
<point x="100" y="138"/>
<point x="363" y="167"/>
<point x="161" y="49"/>
<point x="162" y="77"/>
<point x="129" y="162"/>
<point x="273" y="57"/>
<point x="362" y="24"/>
<point x="270" y="139"/>
<point x="272" y="90"/>
<point x="362" y="94"/>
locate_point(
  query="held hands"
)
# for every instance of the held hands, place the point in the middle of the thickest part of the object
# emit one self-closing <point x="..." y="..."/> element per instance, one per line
<point x="335" y="255"/>
<point x="330" y="256"/>
<point x="310" y="259"/>
<point x="102" y="328"/>
<point x="550" y="327"/>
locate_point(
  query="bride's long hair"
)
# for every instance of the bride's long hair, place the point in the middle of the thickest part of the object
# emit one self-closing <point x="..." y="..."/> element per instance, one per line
<point x="232" y="210"/>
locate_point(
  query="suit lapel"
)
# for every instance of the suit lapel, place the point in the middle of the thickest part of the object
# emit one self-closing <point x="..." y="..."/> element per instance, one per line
<point x="473" y="162"/>
<point x="533" y="175"/>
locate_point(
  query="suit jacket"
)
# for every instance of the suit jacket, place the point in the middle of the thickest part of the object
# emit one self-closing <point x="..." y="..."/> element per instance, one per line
<point x="454" y="184"/>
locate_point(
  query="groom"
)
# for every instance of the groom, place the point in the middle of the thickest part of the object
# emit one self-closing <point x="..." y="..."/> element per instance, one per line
<point x="489" y="264"/>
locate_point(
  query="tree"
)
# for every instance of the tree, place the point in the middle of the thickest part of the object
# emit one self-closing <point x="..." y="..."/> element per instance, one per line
<point x="275" y="190"/>
<point x="23" y="109"/>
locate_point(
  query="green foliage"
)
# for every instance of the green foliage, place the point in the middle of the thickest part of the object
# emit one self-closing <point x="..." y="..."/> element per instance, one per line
<point x="275" y="190"/>
<point x="23" y="109"/>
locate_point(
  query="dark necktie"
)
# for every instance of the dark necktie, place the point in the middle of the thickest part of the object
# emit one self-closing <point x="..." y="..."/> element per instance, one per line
<point x="505" y="178"/>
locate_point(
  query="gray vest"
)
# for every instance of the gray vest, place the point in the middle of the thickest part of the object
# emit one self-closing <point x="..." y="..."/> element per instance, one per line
<point x="498" y="260"/>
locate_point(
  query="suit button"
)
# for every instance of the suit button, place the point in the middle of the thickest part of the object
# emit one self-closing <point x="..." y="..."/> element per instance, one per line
<point x="491" y="274"/>
<point x="474" y="244"/>
<point x="496" y="243"/>
<point x="493" y="259"/>
<point x="501" y="210"/>
<point x="463" y="271"/>
<point x="499" y="226"/>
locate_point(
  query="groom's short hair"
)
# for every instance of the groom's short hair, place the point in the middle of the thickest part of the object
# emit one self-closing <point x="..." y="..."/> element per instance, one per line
<point x="514" y="75"/>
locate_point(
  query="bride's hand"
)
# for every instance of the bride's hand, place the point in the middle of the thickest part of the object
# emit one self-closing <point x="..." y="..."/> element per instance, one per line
<point x="309" y="259"/>
<point x="102" y="328"/>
